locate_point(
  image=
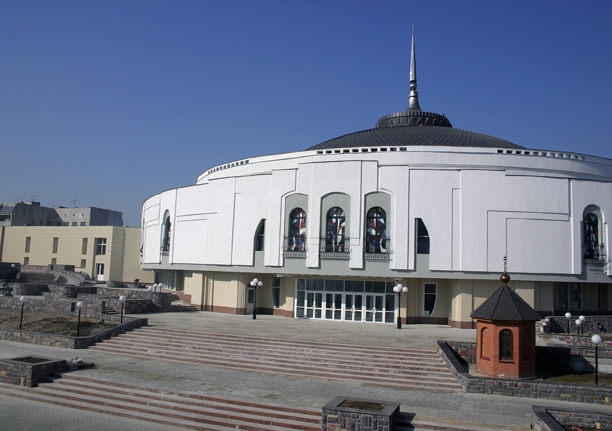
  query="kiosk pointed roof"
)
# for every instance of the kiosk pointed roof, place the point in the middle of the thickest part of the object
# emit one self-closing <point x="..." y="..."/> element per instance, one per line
<point x="505" y="304"/>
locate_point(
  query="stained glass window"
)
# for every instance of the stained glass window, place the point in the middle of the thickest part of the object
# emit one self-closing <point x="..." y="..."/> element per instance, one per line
<point x="376" y="231"/>
<point x="334" y="237"/>
<point x="591" y="237"/>
<point x="297" y="230"/>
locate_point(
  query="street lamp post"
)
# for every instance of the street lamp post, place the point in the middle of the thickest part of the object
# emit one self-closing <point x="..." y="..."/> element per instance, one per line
<point x="401" y="291"/>
<point x="582" y="319"/>
<point x="122" y="298"/>
<point x="79" y="305"/>
<point x="23" y="300"/>
<point x="578" y="325"/>
<point x="255" y="285"/>
<point x="568" y="316"/>
<point x="596" y="339"/>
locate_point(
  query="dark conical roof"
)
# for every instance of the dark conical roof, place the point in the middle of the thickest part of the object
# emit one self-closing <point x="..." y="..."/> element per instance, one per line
<point x="505" y="304"/>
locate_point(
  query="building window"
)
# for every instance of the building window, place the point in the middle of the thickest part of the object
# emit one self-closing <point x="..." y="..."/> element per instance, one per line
<point x="84" y="246"/>
<point x="376" y="231"/>
<point x="83" y="263"/>
<point x="484" y="343"/>
<point x="276" y="288"/>
<point x="506" y="345"/>
<point x="592" y="249"/>
<point x="65" y="223"/>
<point x="260" y="236"/>
<point x="167" y="232"/>
<point x="422" y="238"/>
<point x="83" y="223"/>
<point x="54" y="261"/>
<point x="74" y="223"/>
<point x="430" y="293"/>
<point x="100" y="246"/>
<point x="55" y="245"/>
<point x="335" y="233"/>
<point x="26" y="260"/>
<point x="297" y="230"/>
<point x="569" y="296"/>
<point x="27" y="244"/>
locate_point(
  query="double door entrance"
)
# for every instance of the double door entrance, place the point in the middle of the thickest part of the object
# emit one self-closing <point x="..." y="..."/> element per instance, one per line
<point x="353" y="307"/>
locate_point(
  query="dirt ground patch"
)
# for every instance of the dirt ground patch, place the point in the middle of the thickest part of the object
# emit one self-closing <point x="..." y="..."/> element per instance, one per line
<point x="49" y="323"/>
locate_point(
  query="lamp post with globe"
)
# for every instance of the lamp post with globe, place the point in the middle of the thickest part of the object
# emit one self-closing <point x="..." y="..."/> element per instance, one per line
<point x="401" y="291"/>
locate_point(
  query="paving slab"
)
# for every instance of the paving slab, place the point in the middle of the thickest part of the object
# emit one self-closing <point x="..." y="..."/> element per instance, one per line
<point x="457" y="407"/>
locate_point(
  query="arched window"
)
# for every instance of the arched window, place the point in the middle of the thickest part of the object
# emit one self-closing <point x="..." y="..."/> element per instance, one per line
<point x="506" y="347"/>
<point x="422" y="238"/>
<point x="166" y="234"/>
<point x="334" y="236"/>
<point x="260" y="235"/>
<point x="376" y="231"/>
<point x="484" y="343"/>
<point x="297" y="230"/>
<point x="591" y="237"/>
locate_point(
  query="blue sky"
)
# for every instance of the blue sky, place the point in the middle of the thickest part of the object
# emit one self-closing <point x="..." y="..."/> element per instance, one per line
<point x="114" y="101"/>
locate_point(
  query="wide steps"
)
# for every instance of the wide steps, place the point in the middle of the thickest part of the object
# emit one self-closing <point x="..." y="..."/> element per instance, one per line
<point x="366" y="364"/>
<point x="179" y="409"/>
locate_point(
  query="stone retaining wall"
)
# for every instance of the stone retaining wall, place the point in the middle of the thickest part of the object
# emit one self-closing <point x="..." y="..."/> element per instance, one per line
<point x="15" y="372"/>
<point x="552" y="419"/>
<point x="73" y="342"/>
<point x="519" y="388"/>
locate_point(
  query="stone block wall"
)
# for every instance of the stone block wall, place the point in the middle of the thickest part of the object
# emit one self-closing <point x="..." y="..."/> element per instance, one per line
<point x="520" y="388"/>
<point x="19" y="373"/>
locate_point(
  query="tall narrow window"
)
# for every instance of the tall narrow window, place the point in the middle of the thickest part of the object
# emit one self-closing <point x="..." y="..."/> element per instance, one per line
<point x="506" y="347"/>
<point x="166" y="235"/>
<point x="100" y="271"/>
<point x="27" y="244"/>
<point x="484" y="343"/>
<point x="260" y="236"/>
<point x="591" y="237"/>
<point x="430" y="291"/>
<point x="297" y="230"/>
<point x="83" y="263"/>
<point x="84" y="246"/>
<point x="276" y="288"/>
<point x="55" y="245"/>
<point x="100" y="246"/>
<point x="334" y="236"/>
<point x="26" y="260"/>
<point x="376" y="231"/>
<point x="422" y="238"/>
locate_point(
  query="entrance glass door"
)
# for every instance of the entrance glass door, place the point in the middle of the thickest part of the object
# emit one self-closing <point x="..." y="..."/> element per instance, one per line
<point x="314" y="304"/>
<point x="353" y="307"/>
<point x="333" y="306"/>
<point x="374" y="308"/>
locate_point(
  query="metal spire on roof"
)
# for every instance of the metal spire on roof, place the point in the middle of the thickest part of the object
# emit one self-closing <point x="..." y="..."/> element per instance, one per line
<point x="413" y="100"/>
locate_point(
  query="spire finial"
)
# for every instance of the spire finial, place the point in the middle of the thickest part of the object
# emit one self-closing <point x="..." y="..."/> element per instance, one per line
<point x="505" y="278"/>
<point x="413" y="100"/>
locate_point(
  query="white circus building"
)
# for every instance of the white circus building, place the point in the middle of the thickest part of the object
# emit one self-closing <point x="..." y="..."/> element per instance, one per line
<point x="330" y="231"/>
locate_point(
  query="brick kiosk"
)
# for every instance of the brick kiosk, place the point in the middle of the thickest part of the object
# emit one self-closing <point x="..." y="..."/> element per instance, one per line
<point x="505" y="334"/>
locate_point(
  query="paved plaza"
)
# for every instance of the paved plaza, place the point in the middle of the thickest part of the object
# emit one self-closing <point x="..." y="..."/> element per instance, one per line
<point x="457" y="407"/>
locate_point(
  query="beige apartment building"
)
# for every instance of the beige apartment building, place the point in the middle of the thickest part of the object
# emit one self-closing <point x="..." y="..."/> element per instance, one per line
<point x="105" y="253"/>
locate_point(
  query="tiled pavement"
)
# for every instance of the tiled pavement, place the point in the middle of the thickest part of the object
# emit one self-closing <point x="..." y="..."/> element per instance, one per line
<point x="459" y="407"/>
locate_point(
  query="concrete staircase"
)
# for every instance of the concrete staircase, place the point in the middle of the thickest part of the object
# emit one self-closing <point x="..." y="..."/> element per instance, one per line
<point x="186" y="410"/>
<point x="394" y="367"/>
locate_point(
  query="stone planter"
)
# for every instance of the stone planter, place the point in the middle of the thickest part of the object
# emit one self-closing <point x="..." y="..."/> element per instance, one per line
<point x="349" y="414"/>
<point x="29" y="370"/>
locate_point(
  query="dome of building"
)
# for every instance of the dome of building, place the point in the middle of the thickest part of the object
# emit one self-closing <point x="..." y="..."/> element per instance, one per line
<point x="406" y="135"/>
<point x="414" y="127"/>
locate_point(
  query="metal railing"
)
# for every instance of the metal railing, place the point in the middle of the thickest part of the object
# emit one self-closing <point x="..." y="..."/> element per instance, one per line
<point x="334" y="247"/>
<point x="377" y="248"/>
<point x="295" y="246"/>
